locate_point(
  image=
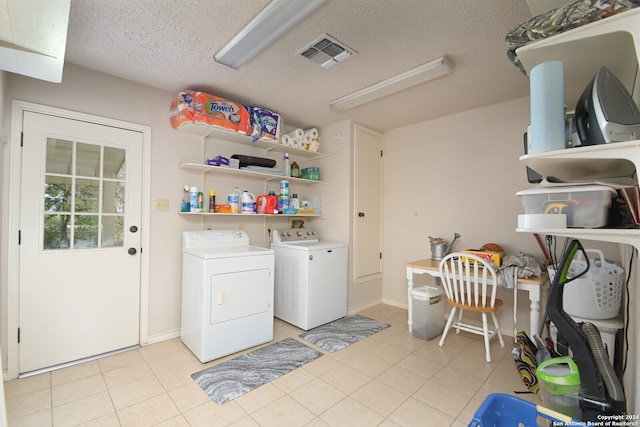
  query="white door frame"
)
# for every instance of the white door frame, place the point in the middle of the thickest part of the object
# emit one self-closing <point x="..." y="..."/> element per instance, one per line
<point x="13" y="214"/>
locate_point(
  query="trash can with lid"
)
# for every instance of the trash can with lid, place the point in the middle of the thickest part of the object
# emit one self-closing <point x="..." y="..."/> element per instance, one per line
<point x="560" y="385"/>
<point x="428" y="312"/>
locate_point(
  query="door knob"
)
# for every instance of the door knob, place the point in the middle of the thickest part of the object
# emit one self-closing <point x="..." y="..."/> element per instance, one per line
<point x="132" y="251"/>
<point x="133" y="228"/>
<point x="360" y="214"/>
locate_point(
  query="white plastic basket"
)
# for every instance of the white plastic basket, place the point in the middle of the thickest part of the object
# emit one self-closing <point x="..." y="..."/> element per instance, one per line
<point x="597" y="294"/>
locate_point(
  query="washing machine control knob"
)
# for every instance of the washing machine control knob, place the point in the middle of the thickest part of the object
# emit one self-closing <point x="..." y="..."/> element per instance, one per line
<point x="237" y="234"/>
<point x="299" y="233"/>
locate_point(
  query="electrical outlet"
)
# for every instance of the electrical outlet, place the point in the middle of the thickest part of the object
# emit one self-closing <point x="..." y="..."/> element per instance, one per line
<point x="162" y="205"/>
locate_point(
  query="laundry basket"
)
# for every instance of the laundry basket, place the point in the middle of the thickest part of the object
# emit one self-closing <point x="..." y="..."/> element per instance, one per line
<point x="505" y="410"/>
<point x="597" y="294"/>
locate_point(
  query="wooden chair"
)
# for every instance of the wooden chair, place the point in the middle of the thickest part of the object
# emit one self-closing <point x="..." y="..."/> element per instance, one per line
<point x="470" y="285"/>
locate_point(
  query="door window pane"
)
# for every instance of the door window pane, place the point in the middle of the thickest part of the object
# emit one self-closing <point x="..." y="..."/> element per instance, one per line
<point x="113" y="197"/>
<point x="85" y="231"/>
<point x="59" y="156"/>
<point x="114" y="163"/>
<point x="87" y="159"/>
<point x="57" y="194"/>
<point x="112" y="231"/>
<point x="56" y="231"/>
<point x="87" y="191"/>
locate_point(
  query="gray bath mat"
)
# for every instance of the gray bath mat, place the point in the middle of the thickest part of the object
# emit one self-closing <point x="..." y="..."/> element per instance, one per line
<point x="344" y="332"/>
<point x="235" y="377"/>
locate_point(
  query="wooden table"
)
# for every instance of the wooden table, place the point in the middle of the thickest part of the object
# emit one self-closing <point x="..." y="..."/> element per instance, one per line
<point x="534" y="285"/>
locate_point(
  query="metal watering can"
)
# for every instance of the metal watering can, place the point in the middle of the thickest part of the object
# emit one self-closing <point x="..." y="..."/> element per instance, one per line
<point x="440" y="247"/>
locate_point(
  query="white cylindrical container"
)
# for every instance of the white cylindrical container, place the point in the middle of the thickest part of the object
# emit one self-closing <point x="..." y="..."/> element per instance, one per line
<point x="234" y="200"/>
<point x="284" y="188"/>
<point x="248" y="203"/>
<point x="287" y="165"/>
<point x="547" y="107"/>
<point x="193" y="199"/>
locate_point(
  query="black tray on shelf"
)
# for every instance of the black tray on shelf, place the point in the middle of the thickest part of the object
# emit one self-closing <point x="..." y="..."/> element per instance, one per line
<point x="254" y="161"/>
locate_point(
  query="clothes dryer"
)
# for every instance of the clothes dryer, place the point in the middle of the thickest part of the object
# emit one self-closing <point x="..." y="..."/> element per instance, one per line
<point x="227" y="293"/>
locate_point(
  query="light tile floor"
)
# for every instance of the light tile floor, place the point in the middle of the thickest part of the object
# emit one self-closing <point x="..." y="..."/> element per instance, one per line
<point x="388" y="379"/>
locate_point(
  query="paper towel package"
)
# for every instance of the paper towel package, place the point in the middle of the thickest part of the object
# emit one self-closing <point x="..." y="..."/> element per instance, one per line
<point x="192" y="107"/>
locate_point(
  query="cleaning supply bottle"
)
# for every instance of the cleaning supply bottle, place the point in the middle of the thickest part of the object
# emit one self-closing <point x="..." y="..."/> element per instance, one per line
<point x="248" y="203"/>
<point x="295" y="170"/>
<point x="294" y="203"/>
<point x="212" y="201"/>
<point x="193" y="199"/>
<point x="186" y="199"/>
<point x="234" y="200"/>
<point x="287" y="166"/>
<point x="200" y="202"/>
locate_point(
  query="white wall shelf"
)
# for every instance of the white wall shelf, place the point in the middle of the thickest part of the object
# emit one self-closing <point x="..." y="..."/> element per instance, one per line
<point x="240" y="138"/>
<point x="614" y="160"/>
<point x="611" y="42"/>
<point x="247" y="215"/>
<point x="204" y="169"/>
<point x="622" y="235"/>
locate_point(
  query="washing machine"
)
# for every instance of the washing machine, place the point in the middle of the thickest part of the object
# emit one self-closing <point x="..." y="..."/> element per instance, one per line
<point x="310" y="278"/>
<point x="227" y="293"/>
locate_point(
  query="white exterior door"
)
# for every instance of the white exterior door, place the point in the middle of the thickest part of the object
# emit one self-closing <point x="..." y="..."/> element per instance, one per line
<point x="81" y="198"/>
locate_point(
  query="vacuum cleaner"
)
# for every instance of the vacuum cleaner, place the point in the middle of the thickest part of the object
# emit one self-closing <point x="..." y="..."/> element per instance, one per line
<point x="601" y="392"/>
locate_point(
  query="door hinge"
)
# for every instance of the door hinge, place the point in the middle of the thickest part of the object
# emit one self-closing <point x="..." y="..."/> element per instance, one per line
<point x="380" y="255"/>
<point x="19" y="237"/>
<point x="21" y="139"/>
<point x="18" y="335"/>
<point x="381" y="153"/>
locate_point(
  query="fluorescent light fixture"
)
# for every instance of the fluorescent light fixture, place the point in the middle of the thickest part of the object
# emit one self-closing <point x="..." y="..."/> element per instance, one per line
<point x="277" y="18"/>
<point x="415" y="76"/>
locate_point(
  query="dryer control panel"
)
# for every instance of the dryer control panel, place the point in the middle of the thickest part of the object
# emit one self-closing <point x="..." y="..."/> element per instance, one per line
<point x="294" y="235"/>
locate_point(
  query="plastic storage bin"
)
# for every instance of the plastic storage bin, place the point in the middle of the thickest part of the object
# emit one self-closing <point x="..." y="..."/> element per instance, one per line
<point x="586" y="206"/>
<point x="560" y="385"/>
<point x="428" y="312"/>
<point x="504" y="410"/>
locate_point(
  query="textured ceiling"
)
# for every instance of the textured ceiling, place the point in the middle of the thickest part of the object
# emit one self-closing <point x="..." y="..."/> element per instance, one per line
<point x="169" y="44"/>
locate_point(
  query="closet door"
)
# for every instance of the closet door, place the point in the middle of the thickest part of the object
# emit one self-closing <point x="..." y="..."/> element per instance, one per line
<point x="367" y="204"/>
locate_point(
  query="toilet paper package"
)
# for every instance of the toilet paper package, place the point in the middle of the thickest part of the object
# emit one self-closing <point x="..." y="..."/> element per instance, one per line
<point x="265" y="124"/>
<point x="199" y="108"/>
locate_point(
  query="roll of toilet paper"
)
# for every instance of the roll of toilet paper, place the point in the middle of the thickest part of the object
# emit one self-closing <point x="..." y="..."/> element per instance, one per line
<point x="286" y="140"/>
<point x="312" y="133"/>
<point x="547" y="107"/>
<point x="296" y="133"/>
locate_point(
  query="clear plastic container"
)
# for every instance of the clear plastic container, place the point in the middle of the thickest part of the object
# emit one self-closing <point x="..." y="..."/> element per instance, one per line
<point x="586" y="206"/>
<point x="560" y="386"/>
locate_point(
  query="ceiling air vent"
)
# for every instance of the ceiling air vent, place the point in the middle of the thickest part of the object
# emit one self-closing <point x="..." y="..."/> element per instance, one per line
<point x="327" y="52"/>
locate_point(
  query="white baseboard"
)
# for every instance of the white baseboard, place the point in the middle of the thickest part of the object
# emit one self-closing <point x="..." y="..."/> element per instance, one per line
<point x="153" y="339"/>
<point x="364" y="306"/>
<point x="395" y="303"/>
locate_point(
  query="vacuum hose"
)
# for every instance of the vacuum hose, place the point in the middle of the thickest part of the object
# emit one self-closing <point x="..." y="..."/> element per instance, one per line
<point x="611" y="381"/>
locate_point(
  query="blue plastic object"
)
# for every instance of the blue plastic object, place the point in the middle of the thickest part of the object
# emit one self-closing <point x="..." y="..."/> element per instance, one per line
<point x="504" y="410"/>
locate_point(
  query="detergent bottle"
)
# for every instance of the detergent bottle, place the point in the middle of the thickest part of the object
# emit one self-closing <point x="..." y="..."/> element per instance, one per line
<point x="248" y="203"/>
